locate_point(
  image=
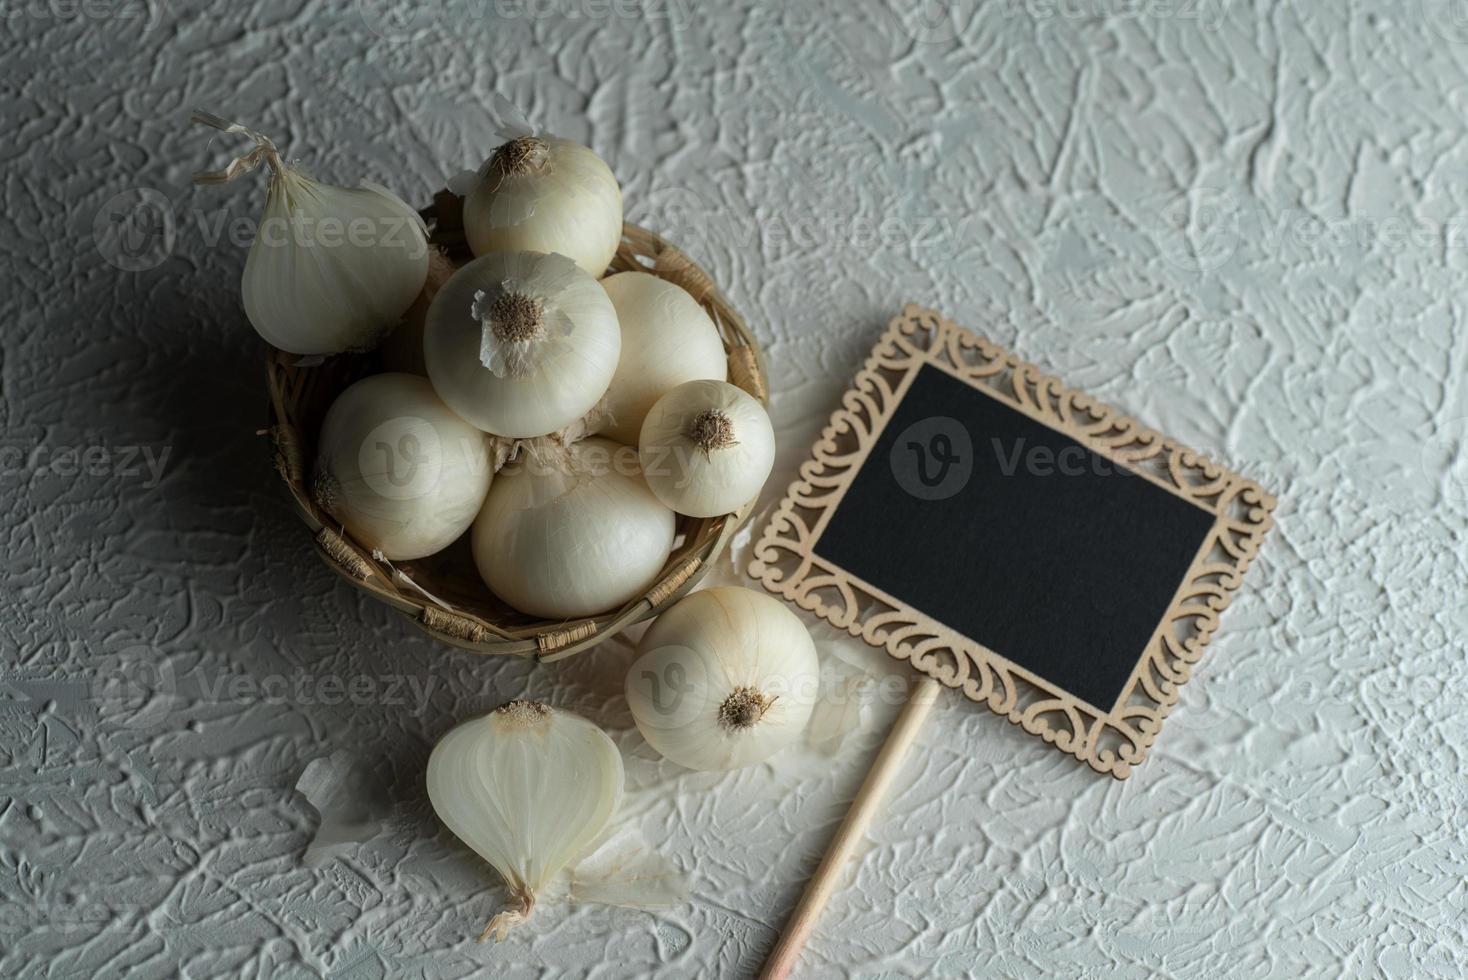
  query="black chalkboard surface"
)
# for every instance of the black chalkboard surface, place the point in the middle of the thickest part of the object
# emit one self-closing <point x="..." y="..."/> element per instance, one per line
<point x="1015" y="535"/>
<point x="1014" y="539"/>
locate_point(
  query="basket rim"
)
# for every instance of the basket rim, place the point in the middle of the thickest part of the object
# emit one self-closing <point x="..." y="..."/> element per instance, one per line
<point x="545" y="640"/>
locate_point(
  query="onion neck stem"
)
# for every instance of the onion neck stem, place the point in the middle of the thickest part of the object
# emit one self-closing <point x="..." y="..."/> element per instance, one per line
<point x="519" y="911"/>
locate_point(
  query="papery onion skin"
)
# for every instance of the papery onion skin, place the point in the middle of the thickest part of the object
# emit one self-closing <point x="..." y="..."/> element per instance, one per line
<point x="332" y="269"/>
<point x="402" y="350"/>
<point x="667" y="339"/>
<point x="529" y="788"/>
<point x="726" y="678"/>
<point x="561" y="197"/>
<point x="567" y="369"/>
<point x="566" y="538"/>
<point x="699" y="476"/>
<point x="402" y="473"/>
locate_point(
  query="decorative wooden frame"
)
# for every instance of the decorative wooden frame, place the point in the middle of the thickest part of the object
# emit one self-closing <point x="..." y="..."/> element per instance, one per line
<point x="1111" y="740"/>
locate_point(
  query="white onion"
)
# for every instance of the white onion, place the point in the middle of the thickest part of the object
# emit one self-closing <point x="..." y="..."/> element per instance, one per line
<point x="331" y="269"/>
<point x="402" y="350"/>
<point x="573" y="535"/>
<point x="529" y="788"/>
<point x="667" y="339"/>
<point x="706" y="448"/>
<point x="403" y="474"/>
<point x="521" y="344"/>
<point x="726" y="678"/>
<point x="321" y="291"/>
<point x="544" y="194"/>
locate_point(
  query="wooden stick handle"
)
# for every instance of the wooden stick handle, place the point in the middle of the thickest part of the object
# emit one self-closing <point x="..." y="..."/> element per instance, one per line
<point x="868" y="800"/>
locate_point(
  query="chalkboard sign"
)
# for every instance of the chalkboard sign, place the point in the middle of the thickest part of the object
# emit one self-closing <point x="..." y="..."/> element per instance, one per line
<point x="1014" y="539"/>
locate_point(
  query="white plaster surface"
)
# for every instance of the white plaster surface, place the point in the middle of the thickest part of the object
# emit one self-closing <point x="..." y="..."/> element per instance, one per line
<point x="1243" y="222"/>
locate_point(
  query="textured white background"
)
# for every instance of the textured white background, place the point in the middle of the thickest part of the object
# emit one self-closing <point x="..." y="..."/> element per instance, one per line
<point x="1243" y="222"/>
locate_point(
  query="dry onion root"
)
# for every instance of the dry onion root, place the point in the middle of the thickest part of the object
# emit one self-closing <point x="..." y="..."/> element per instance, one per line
<point x="706" y="448"/>
<point x="727" y="678"/>
<point x="544" y="194"/>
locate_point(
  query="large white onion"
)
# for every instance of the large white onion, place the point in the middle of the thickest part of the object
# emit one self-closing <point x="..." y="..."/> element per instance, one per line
<point x="331" y="269"/>
<point x="529" y="788"/>
<point x="312" y="292"/>
<point x="402" y="473"/>
<point x="572" y="534"/>
<point x="726" y="678"/>
<point x="707" y="448"/>
<point x="667" y="339"/>
<point x="521" y="344"/>
<point x="544" y="194"/>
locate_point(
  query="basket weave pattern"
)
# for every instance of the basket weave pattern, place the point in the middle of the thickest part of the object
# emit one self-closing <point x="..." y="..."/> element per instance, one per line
<point x="443" y="593"/>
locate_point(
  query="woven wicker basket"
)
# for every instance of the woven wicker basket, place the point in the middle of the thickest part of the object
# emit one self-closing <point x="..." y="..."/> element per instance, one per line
<point x="443" y="593"/>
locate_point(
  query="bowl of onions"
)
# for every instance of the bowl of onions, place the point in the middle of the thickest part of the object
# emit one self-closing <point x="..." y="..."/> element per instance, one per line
<point x="512" y="416"/>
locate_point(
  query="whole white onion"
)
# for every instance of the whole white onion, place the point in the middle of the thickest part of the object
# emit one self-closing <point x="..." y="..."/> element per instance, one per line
<point x="313" y="285"/>
<point x="667" y="339"/>
<point x="331" y="269"/>
<point x="726" y="678"/>
<point x="521" y="344"/>
<point x="403" y="474"/>
<point x="574" y="534"/>
<point x="544" y="194"/>
<point x="706" y="448"/>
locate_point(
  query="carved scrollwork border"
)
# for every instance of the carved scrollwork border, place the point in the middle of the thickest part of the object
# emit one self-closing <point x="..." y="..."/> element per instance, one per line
<point x="1110" y="739"/>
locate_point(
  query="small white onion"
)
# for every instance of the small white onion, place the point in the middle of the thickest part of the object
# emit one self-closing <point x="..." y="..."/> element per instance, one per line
<point x="403" y="474"/>
<point x="667" y="339"/>
<point x="573" y="535"/>
<point x="726" y="678"/>
<point x="529" y="788"/>
<point x="544" y="194"/>
<point x="521" y="344"/>
<point x="706" y="448"/>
